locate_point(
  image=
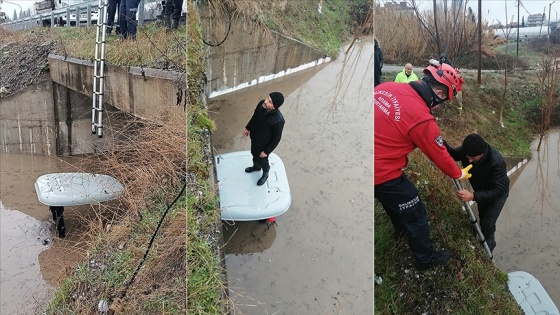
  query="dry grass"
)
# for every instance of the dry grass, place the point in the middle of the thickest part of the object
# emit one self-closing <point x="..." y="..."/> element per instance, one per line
<point x="416" y="43"/>
<point x="325" y="30"/>
<point x="149" y="160"/>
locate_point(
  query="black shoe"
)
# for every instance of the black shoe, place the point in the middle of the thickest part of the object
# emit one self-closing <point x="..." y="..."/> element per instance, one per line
<point x="263" y="179"/>
<point x="252" y="169"/>
<point x="439" y="259"/>
<point x="491" y="241"/>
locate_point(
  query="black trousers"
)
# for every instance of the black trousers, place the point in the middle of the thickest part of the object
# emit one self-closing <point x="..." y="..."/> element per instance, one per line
<point x="127" y="18"/>
<point x="408" y="214"/>
<point x="173" y="8"/>
<point x="113" y="5"/>
<point x="58" y="218"/>
<point x="488" y="214"/>
<point x="258" y="161"/>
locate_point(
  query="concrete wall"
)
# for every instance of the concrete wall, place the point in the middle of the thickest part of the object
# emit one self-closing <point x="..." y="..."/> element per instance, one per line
<point x="248" y="53"/>
<point x="27" y="121"/>
<point x="72" y="117"/>
<point x="148" y="93"/>
<point x="50" y="119"/>
<point x="54" y="117"/>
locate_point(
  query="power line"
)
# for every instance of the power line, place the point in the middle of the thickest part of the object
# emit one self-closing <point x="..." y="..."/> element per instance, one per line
<point x="523" y="6"/>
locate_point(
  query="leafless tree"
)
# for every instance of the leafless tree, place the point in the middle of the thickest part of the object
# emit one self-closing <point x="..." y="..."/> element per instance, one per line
<point x="548" y="79"/>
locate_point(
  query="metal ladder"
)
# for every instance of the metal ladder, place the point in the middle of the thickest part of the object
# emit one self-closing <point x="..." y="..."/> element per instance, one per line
<point x="98" y="71"/>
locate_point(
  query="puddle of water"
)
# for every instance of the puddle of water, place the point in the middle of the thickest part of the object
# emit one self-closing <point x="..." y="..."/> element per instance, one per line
<point x="319" y="258"/>
<point x="17" y="192"/>
<point x="23" y="289"/>
<point x="527" y="230"/>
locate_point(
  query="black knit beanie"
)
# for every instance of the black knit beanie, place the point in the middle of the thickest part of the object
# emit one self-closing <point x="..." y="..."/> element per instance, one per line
<point x="277" y="99"/>
<point x="474" y="145"/>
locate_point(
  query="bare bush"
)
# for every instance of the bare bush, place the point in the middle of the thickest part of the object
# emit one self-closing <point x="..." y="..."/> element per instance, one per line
<point x="411" y="37"/>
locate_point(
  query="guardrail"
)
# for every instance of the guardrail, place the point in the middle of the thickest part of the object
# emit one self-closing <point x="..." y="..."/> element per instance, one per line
<point x="148" y="10"/>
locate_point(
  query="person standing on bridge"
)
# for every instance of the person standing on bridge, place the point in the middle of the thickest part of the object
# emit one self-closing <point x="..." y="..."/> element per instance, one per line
<point x="489" y="181"/>
<point x="265" y="130"/>
<point x="127" y="18"/>
<point x="406" y="75"/>
<point x="172" y="14"/>
<point x="112" y="7"/>
<point x="402" y="123"/>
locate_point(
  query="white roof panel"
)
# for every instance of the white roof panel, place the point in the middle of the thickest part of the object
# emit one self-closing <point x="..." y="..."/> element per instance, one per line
<point x="240" y="197"/>
<point x="73" y="189"/>
<point x="530" y="294"/>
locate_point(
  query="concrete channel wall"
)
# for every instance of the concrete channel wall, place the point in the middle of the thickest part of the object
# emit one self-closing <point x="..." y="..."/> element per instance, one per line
<point x="250" y="54"/>
<point x="27" y="121"/>
<point x="54" y="117"/>
<point x="144" y="92"/>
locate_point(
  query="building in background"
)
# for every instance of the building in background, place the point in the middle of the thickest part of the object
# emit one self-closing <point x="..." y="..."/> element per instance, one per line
<point x="536" y="20"/>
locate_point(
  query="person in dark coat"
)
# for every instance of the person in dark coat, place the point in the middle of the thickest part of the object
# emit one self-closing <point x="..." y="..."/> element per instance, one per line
<point x="489" y="181"/>
<point x="377" y="62"/>
<point x="265" y="130"/>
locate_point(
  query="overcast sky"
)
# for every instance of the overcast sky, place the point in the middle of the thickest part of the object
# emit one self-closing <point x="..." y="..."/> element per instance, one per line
<point x="9" y="6"/>
<point x="495" y="10"/>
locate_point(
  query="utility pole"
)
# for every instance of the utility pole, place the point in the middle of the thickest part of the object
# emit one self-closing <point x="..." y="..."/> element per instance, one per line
<point x="549" y="8"/>
<point x="479" y="66"/>
<point x="548" y="28"/>
<point x="517" y="49"/>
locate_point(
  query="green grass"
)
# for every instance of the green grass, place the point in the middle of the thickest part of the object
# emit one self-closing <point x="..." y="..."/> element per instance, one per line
<point x="111" y="268"/>
<point x="301" y="20"/>
<point x="523" y="52"/>
<point x="205" y="273"/>
<point x="470" y="283"/>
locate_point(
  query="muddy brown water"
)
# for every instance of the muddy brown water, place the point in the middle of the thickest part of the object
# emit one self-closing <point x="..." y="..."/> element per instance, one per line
<point x="318" y="259"/>
<point x="528" y="234"/>
<point x="33" y="259"/>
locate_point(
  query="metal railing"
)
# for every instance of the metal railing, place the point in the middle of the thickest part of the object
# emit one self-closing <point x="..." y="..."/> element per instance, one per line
<point x="148" y="10"/>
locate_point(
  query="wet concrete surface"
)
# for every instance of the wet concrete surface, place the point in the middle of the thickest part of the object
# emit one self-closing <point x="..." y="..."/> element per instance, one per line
<point x="33" y="259"/>
<point x="527" y="236"/>
<point x="318" y="259"/>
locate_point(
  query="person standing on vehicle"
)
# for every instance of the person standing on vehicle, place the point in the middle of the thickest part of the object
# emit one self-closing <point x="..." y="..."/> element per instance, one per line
<point x="377" y="62"/>
<point x="406" y="75"/>
<point x="111" y="11"/>
<point x="489" y="181"/>
<point x="265" y="130"/>
<point x="402" y="123"/>
<point x="127" y="18"/>
<point x="172" y="14"/>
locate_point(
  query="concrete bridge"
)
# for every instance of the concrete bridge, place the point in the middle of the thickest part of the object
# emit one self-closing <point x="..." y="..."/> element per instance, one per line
<point x="54" y="117"/>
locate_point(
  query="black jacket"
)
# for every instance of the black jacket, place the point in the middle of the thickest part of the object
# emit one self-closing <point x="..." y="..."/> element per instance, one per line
<point x="265" y="129"/>
<point x="378" y="59"/>
<point x="489" y="175"/>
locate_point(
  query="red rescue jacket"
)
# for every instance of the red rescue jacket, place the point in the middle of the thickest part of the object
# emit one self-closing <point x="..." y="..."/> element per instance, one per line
<point x="403" y="122"/>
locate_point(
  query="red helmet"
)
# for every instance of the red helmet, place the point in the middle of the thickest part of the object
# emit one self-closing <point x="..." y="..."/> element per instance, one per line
<point x="446" y="74"/>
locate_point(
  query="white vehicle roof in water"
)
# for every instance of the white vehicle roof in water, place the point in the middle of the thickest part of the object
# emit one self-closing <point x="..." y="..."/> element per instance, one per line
<point x="240" y="197"/>
<point x="73" y="189"/>
<point x="530" y="294"/>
